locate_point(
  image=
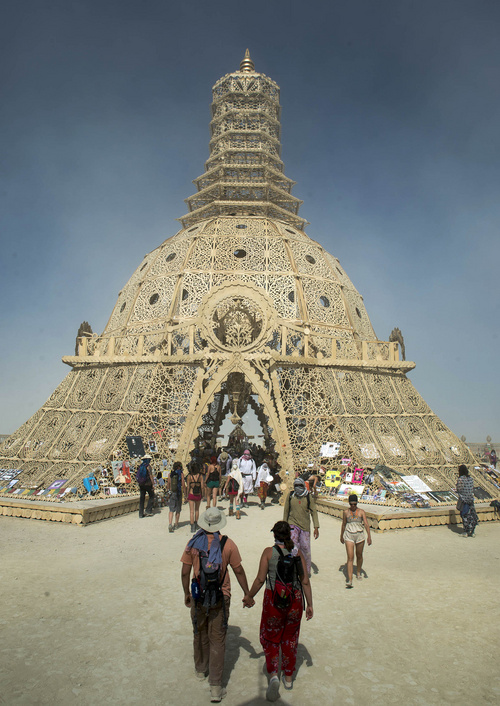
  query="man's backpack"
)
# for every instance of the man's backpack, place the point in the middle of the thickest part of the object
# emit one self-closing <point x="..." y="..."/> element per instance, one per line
<point x="211" y="579"/>
<point x="142" y="475"/>
<point x="233" y="486"/>
<point x="288" y="574"/>
<point x="174" y="482"/>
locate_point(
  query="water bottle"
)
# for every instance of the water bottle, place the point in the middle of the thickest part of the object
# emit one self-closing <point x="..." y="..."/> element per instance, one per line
<point x="195" y="589"/>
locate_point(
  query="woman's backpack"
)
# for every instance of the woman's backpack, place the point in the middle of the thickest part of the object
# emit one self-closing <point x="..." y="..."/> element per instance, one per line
<point x="288" y="574"/>
<point x="232" y="486"/>
<point x="214" y="474"/>
<point x="196" y="485"/>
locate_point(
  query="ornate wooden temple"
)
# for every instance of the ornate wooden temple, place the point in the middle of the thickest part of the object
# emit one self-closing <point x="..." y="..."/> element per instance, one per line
<point x="239" y="309"/>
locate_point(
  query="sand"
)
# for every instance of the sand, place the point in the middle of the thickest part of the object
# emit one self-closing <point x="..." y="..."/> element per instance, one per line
<point x="95" y="615"/>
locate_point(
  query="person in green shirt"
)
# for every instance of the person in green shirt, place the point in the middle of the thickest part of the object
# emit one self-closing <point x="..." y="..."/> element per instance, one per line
<point x="299" y="508"/>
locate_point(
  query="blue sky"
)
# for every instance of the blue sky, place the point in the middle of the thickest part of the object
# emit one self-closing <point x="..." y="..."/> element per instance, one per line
<point x="390" y="128"/>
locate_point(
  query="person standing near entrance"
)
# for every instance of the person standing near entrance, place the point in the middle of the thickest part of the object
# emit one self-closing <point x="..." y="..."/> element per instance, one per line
<point x="208" y="552"/>
<point x="145" y="480"/>
<point x="234" y="489"/>
<point x="299" y="508"/>
<point x="175" y="485"/>
<point x="213" y="481"/>
<point x="195" y="489"/>
<point x="264" y="477"/>
<point x="248" y="471"/>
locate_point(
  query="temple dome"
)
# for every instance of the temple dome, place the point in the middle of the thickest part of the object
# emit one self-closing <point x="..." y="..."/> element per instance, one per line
<point x="305" y="285"/>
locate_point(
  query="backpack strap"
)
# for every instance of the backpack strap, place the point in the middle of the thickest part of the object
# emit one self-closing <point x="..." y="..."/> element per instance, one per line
<point x="223" y="541"/>
<point x="289" y="499"/>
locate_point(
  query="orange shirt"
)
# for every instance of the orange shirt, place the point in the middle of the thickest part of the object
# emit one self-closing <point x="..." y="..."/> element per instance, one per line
<point x="230" y="556"/>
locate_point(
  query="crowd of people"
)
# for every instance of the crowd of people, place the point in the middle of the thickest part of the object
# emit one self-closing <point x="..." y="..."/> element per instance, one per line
<point x="218" y="477"/>
<point x="284" y="568"/>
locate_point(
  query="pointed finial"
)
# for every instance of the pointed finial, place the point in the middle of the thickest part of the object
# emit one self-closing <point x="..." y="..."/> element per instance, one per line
<point x="247" y="64"/>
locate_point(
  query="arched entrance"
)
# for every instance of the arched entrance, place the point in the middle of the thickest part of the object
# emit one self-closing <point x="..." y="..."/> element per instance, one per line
<point x="234" y="386"/>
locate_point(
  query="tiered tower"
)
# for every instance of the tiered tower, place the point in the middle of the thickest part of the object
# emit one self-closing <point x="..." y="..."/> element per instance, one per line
<point x="239" y="309"/>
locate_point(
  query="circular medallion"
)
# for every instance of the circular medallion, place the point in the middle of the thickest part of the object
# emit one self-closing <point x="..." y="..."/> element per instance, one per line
<point x="236" y="317"/>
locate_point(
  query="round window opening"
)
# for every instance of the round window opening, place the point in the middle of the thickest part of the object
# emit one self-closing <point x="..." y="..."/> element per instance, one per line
<point x="324" y="301"/>
<point x="123" y="307"/>
<point x="171" y="257"/>
<point x="240" y="253"/>
<point x="241" y="226"/>
<point x="154" y="298"/>
<point x="310" y="259"/>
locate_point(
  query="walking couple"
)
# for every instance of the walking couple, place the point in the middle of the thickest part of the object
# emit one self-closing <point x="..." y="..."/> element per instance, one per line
<point x="208" y="556"/>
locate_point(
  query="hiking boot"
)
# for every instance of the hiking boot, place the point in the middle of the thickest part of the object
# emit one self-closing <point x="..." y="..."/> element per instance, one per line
<point x="217" y="693"/>
<point x="237" y="514"/>
<point x="170" y="528"/>
<point x="231" y="512"/>
<point x="193" y="529"/>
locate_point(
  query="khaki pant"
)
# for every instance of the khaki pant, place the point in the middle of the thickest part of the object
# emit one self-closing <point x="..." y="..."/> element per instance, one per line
<point x="209" y="640"/>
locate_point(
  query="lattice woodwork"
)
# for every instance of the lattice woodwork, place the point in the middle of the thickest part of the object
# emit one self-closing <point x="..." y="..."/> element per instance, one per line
<point x="240" y="309"/>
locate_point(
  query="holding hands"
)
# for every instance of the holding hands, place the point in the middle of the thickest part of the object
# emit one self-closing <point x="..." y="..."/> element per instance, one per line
<point x="248" y="601"/>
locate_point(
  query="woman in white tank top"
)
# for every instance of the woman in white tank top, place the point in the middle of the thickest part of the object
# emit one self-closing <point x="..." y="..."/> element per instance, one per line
<point x="353" y="533"/>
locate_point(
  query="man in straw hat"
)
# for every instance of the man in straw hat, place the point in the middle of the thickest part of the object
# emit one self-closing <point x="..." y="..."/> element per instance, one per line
<point x="209" y="554"/>
<point x="145" y="479"/>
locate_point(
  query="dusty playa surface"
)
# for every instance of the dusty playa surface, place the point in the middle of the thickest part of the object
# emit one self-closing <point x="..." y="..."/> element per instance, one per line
<point x="95" y="615"/>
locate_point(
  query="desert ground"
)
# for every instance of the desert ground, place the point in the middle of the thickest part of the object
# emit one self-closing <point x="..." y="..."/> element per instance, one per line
<point x="95" y="615"/>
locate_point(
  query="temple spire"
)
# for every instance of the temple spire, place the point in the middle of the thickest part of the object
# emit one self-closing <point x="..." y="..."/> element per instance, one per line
<point x="244" y="173"/>
<point x="247" y="65"/>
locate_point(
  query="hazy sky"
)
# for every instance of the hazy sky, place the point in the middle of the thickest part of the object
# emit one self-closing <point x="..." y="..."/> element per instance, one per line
<point x="390" y="128"/>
